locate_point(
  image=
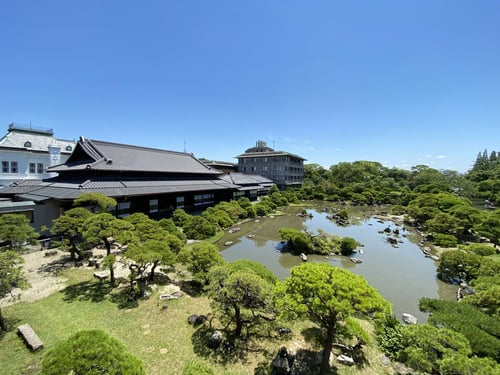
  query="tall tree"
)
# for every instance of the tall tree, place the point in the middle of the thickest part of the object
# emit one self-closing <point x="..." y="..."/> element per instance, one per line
<point x="91" y="352"/>
<point x="16" y="229"/>
<point x="104" y="228"/>
<point x="11" y="276"/>
<point x="242" y="292"/>
<point x="94" y="201"/>
<point x="327" y="296"/>
<point x="70" y="226"/>
<point x="200" y="258"/>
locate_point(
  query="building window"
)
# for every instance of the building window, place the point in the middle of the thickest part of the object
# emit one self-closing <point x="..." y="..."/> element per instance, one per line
<point x="254" y="169"/>
<point x="153" y="206"/>
<point x="13" y="167"/>
<point x="203" y="199"/>
<point x="123" y="209"/>
<point x="27" y="144"/>
<point x="69" y="148"/>
<point x="39" y="168"/>
<point x="5" y="167"/>
<point x="265" y="160"/>
<point x="32" y="168"/>
<point x="264" y="169"/>
<point x="179" y="202"/>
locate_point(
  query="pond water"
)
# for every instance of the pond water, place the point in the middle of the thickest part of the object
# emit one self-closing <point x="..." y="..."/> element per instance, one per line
<point x="401" y="274"/>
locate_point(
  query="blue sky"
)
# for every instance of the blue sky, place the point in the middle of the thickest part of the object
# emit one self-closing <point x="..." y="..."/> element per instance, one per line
<point x="399" y="82"/>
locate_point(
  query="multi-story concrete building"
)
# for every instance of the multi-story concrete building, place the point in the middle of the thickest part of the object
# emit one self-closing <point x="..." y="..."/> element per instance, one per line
<point x="26" y="152"/>
<point x="283" y="168"/>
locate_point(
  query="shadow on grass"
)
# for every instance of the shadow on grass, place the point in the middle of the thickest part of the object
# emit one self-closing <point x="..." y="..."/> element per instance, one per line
<point x="229" y="351"/>
<point x="190" y="287"/>
<point x="98" y="291"/>
<point x="313" y="336"/>
<point x="12" y="323"/>
<point x="233" y="349"/>
<point x="93" y="291"/>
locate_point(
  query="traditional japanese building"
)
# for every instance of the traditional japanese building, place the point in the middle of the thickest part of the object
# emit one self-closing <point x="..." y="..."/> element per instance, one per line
<point x="141" y="179"/>
<point x="283" y="168"/>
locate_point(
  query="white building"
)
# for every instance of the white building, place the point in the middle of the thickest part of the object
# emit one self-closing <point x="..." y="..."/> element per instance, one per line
<point x="26" y="152"/>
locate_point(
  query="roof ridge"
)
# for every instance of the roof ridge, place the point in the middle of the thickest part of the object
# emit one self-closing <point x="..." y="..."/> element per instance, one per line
<point x="123" y="145"/>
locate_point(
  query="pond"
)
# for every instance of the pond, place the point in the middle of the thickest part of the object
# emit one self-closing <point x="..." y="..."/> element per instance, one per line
<point x="401" y="273"/>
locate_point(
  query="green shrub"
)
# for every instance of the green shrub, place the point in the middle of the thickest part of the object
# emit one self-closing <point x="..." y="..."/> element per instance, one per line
<point x="445" y="240"/>
<point x="91" y="352"/>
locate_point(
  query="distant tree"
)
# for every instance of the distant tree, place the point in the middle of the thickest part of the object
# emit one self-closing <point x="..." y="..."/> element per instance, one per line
<point x="424" y="346"/>
<point x="489" y="226"/>
<point x="94" y="201"/>
<point x="241" y="292"/>
<point x="273" y="189"/>
<point x="199" y="259"/>
<point x="297" y="241"/>
<point x="486" y="294"/>
<point x="348" y="245"/>
<point x="233" y="209"/>
<point x="458" y="265"/>
<point x="103" y="228"/>
<point x="180" y="217"/>
<point x="199" y="228"/>
<point x="70" y="226"/>
<point x="16" y="229"/>
<point x="11" y="276"/>
<point x="170" y="227"/>
<point x="481" y="330"/>
<point x="463" y="365"/>
<point x="91" y="352"/>
<point x="328" y="296"/>
<point x="218" y="217"/>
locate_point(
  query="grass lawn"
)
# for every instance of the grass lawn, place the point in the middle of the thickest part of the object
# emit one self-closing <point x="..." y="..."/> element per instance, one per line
<point x="161" y="337"/>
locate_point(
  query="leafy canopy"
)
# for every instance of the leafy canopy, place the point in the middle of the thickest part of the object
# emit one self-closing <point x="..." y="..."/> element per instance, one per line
<point x="91" y="352"/>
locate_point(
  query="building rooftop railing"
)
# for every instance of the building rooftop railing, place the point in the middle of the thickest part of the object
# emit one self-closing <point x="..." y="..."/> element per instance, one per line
<point x="31" y="128"/>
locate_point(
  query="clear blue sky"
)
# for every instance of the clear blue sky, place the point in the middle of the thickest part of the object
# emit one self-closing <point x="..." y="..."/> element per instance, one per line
<point x="399" y="82"/>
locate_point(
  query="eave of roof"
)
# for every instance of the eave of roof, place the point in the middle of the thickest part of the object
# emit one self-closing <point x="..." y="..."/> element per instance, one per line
<point x="268" y="154"/>
<point x="69" y="190"/>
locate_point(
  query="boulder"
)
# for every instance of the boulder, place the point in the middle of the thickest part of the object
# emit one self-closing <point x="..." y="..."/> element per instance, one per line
<point x="345" y="359"/>
<point x="409" y="319"/>
<point x="197" y="320"/>
<point x="215" y="339"/>
<point x="282" y="362"/>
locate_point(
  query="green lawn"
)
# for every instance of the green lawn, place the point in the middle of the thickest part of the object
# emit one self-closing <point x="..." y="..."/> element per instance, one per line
<point x="161" y="337"/>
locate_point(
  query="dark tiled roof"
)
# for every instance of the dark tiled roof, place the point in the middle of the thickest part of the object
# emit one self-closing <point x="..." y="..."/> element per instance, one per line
<point x="247" y="179"/>
<point x="106" y="156"/>
<point x="69" y="190"/>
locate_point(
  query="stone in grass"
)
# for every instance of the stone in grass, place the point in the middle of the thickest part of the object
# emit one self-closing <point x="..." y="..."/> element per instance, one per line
<point x="215" y="339"/>
<point x="197" y="320"/>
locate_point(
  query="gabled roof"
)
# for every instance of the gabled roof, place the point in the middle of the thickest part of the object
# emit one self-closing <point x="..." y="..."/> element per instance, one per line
<point x="114" y="157"/>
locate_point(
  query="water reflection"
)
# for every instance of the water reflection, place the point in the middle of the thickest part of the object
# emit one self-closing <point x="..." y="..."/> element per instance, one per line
<point x="401" y="273"/>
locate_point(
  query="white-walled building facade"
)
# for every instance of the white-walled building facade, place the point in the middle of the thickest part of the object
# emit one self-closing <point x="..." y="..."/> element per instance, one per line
<point x="26" y="152"/>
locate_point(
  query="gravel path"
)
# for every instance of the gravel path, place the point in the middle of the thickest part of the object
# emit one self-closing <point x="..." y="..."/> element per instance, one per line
<point x="40" y="271"/>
